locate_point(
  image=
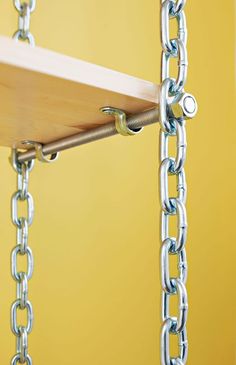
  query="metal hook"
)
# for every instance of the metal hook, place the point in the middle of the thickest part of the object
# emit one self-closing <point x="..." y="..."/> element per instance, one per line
<point x="39" y="152"/>
<point x="120" y="121"/>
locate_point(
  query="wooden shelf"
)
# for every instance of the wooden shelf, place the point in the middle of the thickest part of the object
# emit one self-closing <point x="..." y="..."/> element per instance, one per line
<point x="46" y="96"/>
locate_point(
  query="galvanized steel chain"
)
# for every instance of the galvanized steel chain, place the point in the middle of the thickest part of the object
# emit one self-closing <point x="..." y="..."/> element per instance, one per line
<point x="22" y="223"/>
<point x="175" y="107"/>
<point x="24" y="9"/>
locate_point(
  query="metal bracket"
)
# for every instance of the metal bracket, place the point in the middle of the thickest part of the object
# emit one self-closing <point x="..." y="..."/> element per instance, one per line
<point x="39" y="152"/>
<point x="120" y="121"/>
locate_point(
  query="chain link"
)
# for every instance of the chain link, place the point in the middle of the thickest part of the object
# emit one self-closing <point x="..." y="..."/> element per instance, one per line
<point x="22" y="249"/>
<point x="24" y="9"/>
<point x="171" y="90"/>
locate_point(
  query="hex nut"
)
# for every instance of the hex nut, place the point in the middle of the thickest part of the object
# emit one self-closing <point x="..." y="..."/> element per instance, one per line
<point x="184" y="106"/>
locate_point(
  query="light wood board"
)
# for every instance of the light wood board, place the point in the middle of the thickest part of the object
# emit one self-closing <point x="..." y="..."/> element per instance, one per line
<point x="46" y="96"/>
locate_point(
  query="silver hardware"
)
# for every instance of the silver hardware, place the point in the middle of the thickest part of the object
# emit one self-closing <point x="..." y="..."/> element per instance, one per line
<point x="39" y="152"/>
<point x="22" y="234"/>
<point x="120" y="121"/>
<point x="184" y="106"/>
<point x="178" y="84"/>
<point x="175" y="107"/>
<point x="17" y="165"/>
<point x="22" y="289"/>
<point x="22" y="302"/>
<point x="167" y="202"/>
<point x="180" y="211"/>
<point x="24" y="9"/>
<point x="167" y="283"/>
<point x="30" y="207"/>
<point x="178" y="6"/>
<point x="22" y="223"/>
<point x="17" y="358"/>
<point x="165" y="121"/>
<point x="18" y="4"/>
<point x="165" y="344"/>
<point x="16" y="251"/>
<point x="15" y="328"/>
<point x="22" y="344"/>
<point x="178" y="288"/>
<point x="168" y="44"/>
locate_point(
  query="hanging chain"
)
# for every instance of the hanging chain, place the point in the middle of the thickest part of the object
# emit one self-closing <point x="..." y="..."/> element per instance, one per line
<point x="22" y="223"/>
<point x="22" y="248"/>
<point x="175" y="107"/>
<point x="24" y="9"/>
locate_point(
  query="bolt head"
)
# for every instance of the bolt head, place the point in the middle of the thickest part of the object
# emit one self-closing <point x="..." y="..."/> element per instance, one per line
<point x="183" y="106"/>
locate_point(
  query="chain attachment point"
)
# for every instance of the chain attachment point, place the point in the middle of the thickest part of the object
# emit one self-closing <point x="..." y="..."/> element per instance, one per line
<point x="183" y="106"/>
<point x="39" y="152"/>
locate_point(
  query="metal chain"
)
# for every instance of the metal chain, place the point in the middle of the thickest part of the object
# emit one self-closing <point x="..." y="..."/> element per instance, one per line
<point x="24" y="9"/>
<point x="175" y="107"/>
<point x="22" y="248"/>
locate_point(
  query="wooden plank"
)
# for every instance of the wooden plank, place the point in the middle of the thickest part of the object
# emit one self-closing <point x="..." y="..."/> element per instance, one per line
<point x="46" y="95"/>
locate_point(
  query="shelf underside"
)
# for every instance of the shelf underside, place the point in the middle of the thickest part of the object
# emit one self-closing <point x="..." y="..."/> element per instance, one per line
<point x="46" y="96"/>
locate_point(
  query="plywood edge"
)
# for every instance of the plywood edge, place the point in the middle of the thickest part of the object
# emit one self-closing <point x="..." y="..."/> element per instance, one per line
<point x="48" y="62"/>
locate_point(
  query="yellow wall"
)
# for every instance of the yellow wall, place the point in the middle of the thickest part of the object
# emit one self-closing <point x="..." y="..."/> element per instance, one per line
<point x="95" y="236"/>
